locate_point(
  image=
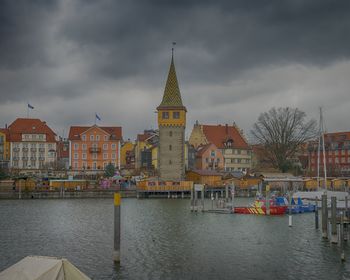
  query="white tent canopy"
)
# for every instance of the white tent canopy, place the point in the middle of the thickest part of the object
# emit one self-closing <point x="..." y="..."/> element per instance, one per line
<point x="42" y="268"/>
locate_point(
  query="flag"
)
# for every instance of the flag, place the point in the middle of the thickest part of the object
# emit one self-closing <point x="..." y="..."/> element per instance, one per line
<point x="97" y="117"/>
<point x="30" y="106"/>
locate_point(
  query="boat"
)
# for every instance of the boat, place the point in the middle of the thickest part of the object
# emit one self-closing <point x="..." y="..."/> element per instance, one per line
<point x="258" y="207"/>
<point x="296" y="207"/>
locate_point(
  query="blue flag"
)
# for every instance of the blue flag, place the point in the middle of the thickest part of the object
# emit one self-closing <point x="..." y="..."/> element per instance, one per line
<point x="30" y="106"/>
<point x="97" y="117"/>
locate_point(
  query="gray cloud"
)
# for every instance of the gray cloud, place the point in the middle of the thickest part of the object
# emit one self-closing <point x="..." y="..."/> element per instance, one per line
<point x="234" y="59"/>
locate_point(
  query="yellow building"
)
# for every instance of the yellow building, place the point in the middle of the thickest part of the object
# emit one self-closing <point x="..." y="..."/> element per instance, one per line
<point x="155" y="157"/>
<point x="126" y="148"/>
<point x="4" y="148"/>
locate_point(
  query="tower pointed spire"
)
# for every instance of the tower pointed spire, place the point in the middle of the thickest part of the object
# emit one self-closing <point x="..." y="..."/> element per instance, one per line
<point x="172" y="95"/>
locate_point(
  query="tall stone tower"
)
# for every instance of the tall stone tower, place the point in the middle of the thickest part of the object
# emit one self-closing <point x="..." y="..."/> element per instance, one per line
<point x="171" y="123"/>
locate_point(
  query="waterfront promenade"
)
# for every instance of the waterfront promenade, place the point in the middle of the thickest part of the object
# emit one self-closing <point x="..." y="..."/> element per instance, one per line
<point x="162" y="239"/>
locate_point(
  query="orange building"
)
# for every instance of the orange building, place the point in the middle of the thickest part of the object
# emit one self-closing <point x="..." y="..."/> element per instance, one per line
<point x="93" y="148"/>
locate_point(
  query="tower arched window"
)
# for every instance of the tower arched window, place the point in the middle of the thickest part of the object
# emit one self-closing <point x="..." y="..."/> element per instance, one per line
<point x="170" y="147"/>
<point x="170" y="133"/>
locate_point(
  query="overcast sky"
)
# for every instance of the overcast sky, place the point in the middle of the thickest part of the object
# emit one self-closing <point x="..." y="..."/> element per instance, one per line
<point x="234" y="60"/>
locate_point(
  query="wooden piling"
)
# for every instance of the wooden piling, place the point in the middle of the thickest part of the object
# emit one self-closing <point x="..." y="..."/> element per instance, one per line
<point x="324" y="208"/>
<point x="192" y="199"/>
<point x="195" y="200"/>
<point x="267" y="200"/>
<point x="334" y="235"/>
<point x="226" y="193"/>
<point x="116" y="252"/>
<point x="342" y="254"/>
<point x="202" y="198"/>
<point x="316" y="213"/>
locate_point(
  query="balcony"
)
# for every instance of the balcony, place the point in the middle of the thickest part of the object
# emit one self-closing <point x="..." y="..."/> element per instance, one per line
<point x="41" y="149"/>
<point x="16" y="149"/>
<point x="94" y="150"/>
<point x="24" y="158"/>
<point x="41" y="158"/>
<point x="33" y="150"/>
<point x="32" y="158"/>
<point x="25" y="149"/>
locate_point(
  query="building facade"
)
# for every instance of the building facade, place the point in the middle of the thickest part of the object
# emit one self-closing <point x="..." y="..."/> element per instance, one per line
<point x="209" y="157"/>
<point x="4" y="148"/>
<point x="337" y="155"/>
<point x="172" y="124"/>
<point x="93" y="148"/>
<point x="33" y="145"/>
<point x="229" y="139"/>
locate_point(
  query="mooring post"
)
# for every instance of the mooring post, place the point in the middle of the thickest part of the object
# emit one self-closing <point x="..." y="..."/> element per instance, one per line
<point x="116" y="252"/>
<point x="346" y="207"/>
<point x="217" y="199"/>
<point x="212" y="200"/>
<point x="226" y="193"/>
<point x="232" y="194"/>
<point x="202" y="198"/>
<point x="182" y="195"/>
<point x="290" y="218"/>
<point x="192" y="199"/>
<point x="20" y="189"/>
<point x="324" y="209"/>
<point x="334" y="235"/>
<point x="316" y="213"/>
<point x="222" y="194"/>
<point x="195" y="200"/>
<point x="342" y="254"/>
<point x="267" y="200"/>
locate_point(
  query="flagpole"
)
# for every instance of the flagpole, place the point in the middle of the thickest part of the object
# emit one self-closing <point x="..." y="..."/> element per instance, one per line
<point x="95" y="118"/>
<point x="27" y="111"/>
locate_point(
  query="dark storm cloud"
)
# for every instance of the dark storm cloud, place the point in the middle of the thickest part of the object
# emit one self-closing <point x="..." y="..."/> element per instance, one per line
<point x="227" y="53"/>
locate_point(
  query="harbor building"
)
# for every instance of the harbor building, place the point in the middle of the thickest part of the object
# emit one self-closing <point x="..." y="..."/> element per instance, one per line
<point x="337" y="154"/>
<point x="171" y="125"/>
<point x="92" y="148"/>
<point x="33" y="145"/>
<point x="229" y="139"/>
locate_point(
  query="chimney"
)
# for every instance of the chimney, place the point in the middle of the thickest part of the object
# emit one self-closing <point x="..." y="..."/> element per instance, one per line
<point x="226" y="127"/>
<point x="6" y="125"/>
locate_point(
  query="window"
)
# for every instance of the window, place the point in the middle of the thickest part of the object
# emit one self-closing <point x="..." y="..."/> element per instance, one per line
<point x="105" y="156"/>
<point x="50" y="146"/>
<point x="83" y="137"/>
<point x="113" y="146"/>
<point x="75" y="165"/>
<point x="176" y="115"/>
<point x="336" y="160"/>
<point x="114" y="156"/>
<point x="165" y="115"/>
<point x="91" y="137"/>
<point x="76" y="146"/>
<point x="41" y="137"/>
<point x="94" y="156"/>
<point x="76" y="156"/>
<point x="343" y="159"/>
<point x="170" y="147"/>
<point x="170" y="133"/>
<point x="105" y="146"/>
<point x="83" y="156"/>
<point x="94" y="165"/>
<point x="84" y="147"/>
<point x="97" y="137"/>
<point x="170" y="162"/>
<point x="212" y="153"/>
<point x="106" y="138"/>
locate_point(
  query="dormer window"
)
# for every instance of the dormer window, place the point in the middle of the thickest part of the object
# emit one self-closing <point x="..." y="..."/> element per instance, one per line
<point x="165" y="115"/>
<point x="83" y="137"/>
<point x="229" y="143"/>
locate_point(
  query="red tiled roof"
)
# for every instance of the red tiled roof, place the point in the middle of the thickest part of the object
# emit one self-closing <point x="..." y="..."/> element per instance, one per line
<point x="75" y="131"/>
<point x="30" y="126"/>
<point x="219" y="134"/>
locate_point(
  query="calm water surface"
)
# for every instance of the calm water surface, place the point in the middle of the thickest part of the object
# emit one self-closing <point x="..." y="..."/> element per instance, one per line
<point x="162" y="239"/>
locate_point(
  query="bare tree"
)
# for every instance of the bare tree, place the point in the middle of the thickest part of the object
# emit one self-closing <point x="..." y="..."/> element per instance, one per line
<point x="281" y="132"/>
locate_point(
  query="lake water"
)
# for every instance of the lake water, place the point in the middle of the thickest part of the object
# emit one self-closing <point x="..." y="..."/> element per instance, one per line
<point x="162" y="239"/>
